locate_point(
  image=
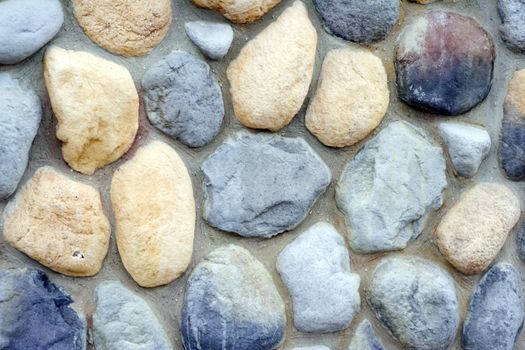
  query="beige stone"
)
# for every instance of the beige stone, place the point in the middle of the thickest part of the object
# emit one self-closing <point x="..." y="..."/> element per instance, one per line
<point x="351" y="98"/>
<point x="239" y="11"/>
<point x="152" y="198"/>
<point x="515" y="99"/>
<point x="96" y="105"/>
<point x="124" y="27"/>
<point x="473" y="231"/>
<point x="270" y="78"/>
<point x="58" y="222"/>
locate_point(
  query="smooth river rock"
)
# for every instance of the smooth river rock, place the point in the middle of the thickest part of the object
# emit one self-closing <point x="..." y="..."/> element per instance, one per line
<point x="58" y="222"/>
<point x="512" y="29"/>
<point x="26" y="26"/>
<point x="444" y="63"/>
<point x="123" y="320"/>
<point x="270" y="77"/>
<point x="183" y="99"/>
<point x="20" y="114"/>
<point x="473" y="231"/>
<point x="415" y="301"/>
<point x="239" y="11"/>
<point x="231" y="302"/>
<point x="213" y="39"/>
<point x="351" y="98"/>
<point x="315" y="268"/>
<point x="96" y="105"/>
<point x="365" y="338"/>
<point x="259" y="185"/>
<point x="36" y="314"/>
<point x="390" y="187"/>
<point x="495" y="314"/>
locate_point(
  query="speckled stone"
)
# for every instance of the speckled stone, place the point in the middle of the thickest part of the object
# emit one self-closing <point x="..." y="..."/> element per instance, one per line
<point x="365" y="338"/>
<point x="444" y="63"/>
<point x="512" y="29"/>
<point x="213" y="39"/>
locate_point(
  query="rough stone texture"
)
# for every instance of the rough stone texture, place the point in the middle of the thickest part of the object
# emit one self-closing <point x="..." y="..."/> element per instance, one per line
<point x="183" y="99"/>
<point x="495" y="313"/>
<point x="444" y="63"/>
<point x="231" y="303"/>
<point x="58" y="222"/>
<point x="213" y="39"/>
<point x="472" y="232"/>
<point x="388" y="190"/>
<point x="124" y="27"/>
<point x="20" y="114"/>
<point x="35" y="314"/>
<point x="270" y="78"/>
<point x="365" y="338"/>
<point x="26" y="26"/>
<point x="239" y="11"/>
<point x="261" y="185"/>
<point x="512" y="148"/>
<point x="358" y="21"/>
<point x="512" y="29"/>
<point x="152" y="199"/>
<point x="123" y="320"/>
<point x="96" y="106"/>
<point x="315" y="268"/>
<point x="467" y="145"/>
<point x="416" y="301"/>
<point x="351" y="98"/>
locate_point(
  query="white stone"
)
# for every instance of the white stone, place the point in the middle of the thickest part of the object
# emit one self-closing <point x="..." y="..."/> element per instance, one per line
<point x="213" y="39"/>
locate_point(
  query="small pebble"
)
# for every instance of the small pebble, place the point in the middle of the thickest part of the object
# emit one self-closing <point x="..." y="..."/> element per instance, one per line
<point x="213" y="39"/>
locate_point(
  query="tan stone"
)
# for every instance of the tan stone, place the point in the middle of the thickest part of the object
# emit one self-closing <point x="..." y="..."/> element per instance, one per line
<point x="473" y="231"/>
<point x="124" y="27"/>
<point x="152" y="198"/>
<point x="351" y="98"/>
<point x="515" y="99"/>
<point x="96" y="106"/>
<point x="239" y="11"/>
<point x="270" y="78"/>
<point x="58" y="222"/>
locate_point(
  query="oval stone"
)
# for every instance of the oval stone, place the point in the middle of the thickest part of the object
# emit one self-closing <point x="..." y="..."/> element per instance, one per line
<point x="444" y="63"/>
<point x="365" y="338"/>
<point x="231" y="303"/>
<point x="239" y="11"/>
<point x="512" y="28"/>
<point x="154" y="227"/>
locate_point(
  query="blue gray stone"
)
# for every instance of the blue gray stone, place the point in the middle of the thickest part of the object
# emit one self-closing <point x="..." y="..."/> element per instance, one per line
<point x="183" y="99"/>
<point x="521" y="242"/>
<point x="213" y="39"/>
<point x="365" y="338"/>
<point x="36" y="314"/>
<point x="495" y="313"/>
<point x="512" y="29"/>
<point x="259" y="185"/>
<point x="20" y="114"/>
<point x="231" y="303"/>
<point x="26" y="26"/>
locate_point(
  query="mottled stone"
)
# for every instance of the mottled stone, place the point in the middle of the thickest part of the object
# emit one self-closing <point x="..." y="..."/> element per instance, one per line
<point x="183" y="99"/>
<point x="36" y="314"/>
<point x="315" y="268"/>
<point x="467" y="145"/>
<point x="123" y="320"/>
<point x="473" y="231"/>
<point x="415" y="301"/>
<point x="495" y="313"/>
<point x="20" y="114"/>
<point x="359" y="21"/>
<point x="390" y="187"/>
<point x="444" y="63"/>
<point x="365" y="338"/>
<point x="351" y="98"/>
<point x="512" y="29"/>
<point x="58" y="222"/>
<point x="270" y="78"/>
<point x="261" y="185"/>
<point x="239" y="11"/>
<point x="124" y="27"/>
<point x="213" y="39"/>
<point x="231" y="303"/>
<point x="26" y="26"/>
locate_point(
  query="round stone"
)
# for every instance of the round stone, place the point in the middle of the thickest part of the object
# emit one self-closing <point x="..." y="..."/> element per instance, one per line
<point x="124" y="27"/>
<point x="239" y="11"/>
<point x="444" y="63"/>
<point x="213" y="39"/>
<point x="365" y="338"/>
<point x="512" y="29"/>
<point x="183" y="99"/>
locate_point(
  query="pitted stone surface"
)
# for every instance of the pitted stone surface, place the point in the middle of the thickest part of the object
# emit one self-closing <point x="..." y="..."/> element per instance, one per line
<point x="239" y="11"/>
<point x="365" y="338"/>
<point x="213" y="39"/>
<point x="512" y="29"/>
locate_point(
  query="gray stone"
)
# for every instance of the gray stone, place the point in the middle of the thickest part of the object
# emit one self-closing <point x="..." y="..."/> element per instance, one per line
<point x="467" y="146"/>
<point x="259" y="185"/>
<point x="389" y="188"/>
<point x="231" y="303"/>
<point x="123" y="320"/>
<point x="183" y="99"/>
<point x="20" y="114"/>
<point x="315" y="347"/>
<point x="415" y="301"/>
<point x="26" y="26"/>
<point x="521" y="242"/>
<point x="365" y="338"/>
<point x="315" y="268"/>
<point x="213" y="39"/>
<point x="512" y="29"/>
<point x="495" y="313"/>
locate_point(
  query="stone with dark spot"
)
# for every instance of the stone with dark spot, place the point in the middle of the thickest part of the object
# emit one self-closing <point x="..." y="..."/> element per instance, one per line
<point x="365" y="338"/>
<point x="444" y="63"/>
<point x="512" y="29"/>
